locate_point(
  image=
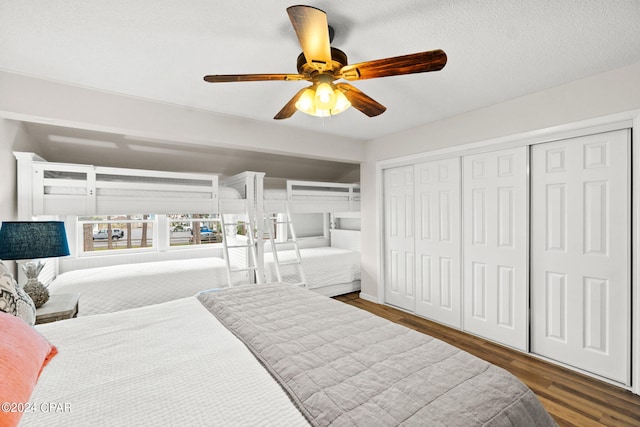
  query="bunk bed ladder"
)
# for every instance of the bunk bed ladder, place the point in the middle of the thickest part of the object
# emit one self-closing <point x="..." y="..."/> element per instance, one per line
<point x="250" y="247"/>
<point x="273" y="220"/>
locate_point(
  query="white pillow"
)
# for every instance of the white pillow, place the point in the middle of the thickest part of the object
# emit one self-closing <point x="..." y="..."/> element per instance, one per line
<point x="7" y="291"/>
<point x="13" y="299"/>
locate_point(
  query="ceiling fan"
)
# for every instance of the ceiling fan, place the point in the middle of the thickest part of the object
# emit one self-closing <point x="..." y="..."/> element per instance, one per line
<point x="322" y="65"/>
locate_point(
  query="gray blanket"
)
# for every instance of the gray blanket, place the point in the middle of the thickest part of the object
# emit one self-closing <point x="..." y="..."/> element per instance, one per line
<point x="343" y="366"/>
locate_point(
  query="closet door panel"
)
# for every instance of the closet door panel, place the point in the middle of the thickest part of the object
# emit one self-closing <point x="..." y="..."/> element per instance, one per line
<point x="495" y="222"/>
<point x="438" y="288"/>
<point x="399" y="234"/>
<point x="580" y="259"/>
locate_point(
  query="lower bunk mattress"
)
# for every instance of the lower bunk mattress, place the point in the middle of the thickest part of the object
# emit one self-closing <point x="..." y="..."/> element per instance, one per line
<point x="125" y="286"/>
<point x="272" y="355"/>
<point x="323" y="266"/>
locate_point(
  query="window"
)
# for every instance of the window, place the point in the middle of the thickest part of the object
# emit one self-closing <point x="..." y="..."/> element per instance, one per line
<point x="116" y="232"/>
<point x="194" y="229"/>
<point x="150" y="232"/>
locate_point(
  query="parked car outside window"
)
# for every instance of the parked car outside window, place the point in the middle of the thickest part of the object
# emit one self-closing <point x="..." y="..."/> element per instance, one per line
<point x="116" y="233"/>
<point x="207" y="234"/>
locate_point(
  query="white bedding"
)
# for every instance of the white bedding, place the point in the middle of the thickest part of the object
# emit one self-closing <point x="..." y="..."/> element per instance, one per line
<point x="322" y="266"/>
<point x="170" y="364"/>
<point x="120" y="287"/>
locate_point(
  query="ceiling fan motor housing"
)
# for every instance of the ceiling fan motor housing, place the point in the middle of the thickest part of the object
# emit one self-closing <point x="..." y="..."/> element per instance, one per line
<point x="338" y="60"/>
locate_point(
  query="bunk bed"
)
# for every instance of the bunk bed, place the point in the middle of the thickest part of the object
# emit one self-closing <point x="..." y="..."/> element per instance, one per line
<point x="331" y="269"/>
<point x="257" y="355"/>
<point x="54" y="189"/>
<point x="59" y="189"/>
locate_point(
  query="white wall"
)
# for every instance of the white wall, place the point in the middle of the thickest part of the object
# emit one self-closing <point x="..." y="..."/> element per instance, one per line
<point x="41" y="101"/>
<point x="596" y="96"/>
<point x="12" y="138"/>
<point x="8" y="202"/>
<point x="308" y="224"/>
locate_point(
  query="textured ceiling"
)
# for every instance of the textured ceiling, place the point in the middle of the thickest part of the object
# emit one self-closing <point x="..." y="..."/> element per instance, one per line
<point x="161" y="49"/>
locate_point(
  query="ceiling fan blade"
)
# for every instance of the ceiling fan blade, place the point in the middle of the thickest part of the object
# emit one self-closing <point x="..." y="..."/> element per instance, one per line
<point x="312" y="29"/>
<point x="225" y="78"/>
<point x="290" y="107"/>
<point x="421" y="62"/>
<point x="360" y="101"/>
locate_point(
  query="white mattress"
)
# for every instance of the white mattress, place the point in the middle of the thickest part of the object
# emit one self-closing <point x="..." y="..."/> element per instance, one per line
<point x="120" y="287"/>
<point x="167" y="364"/>
<point x="322" y="266"/>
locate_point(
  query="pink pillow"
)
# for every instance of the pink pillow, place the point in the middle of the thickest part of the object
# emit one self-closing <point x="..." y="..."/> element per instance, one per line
<point x="23" y="355"/>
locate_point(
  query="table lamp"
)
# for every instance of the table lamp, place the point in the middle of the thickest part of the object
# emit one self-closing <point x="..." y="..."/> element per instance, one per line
<point x="32" y="240"/>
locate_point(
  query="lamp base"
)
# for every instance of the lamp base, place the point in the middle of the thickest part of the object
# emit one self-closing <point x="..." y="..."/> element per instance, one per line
<point x="37" y="291"/>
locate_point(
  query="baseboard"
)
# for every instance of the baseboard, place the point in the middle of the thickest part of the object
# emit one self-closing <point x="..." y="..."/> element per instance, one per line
<point x="369" y="298"/>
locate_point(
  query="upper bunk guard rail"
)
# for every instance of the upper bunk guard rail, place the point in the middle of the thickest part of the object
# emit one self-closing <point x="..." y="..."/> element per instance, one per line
<point x="314" y="197"/>
<point x="321" y="189"/>
<point x="78" y="182"/>
<point x="154" y="187"/>
<point x="69" y="189"/>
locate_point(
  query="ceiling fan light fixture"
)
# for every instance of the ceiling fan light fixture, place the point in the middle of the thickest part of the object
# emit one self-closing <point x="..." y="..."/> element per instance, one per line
<point x="322" y="100"/>
<point x="342" y="103"/>
<point x="325" y="97"/>
<point x="306" y="102"/>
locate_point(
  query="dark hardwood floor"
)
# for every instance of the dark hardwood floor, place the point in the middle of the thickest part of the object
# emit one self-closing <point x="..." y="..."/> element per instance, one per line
<point x="571" y="398"/>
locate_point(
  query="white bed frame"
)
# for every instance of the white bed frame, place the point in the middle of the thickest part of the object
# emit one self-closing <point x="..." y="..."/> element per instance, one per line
<point x="246" y="184"/>
<point x="52" y="189"/>
<point x="311" y="197"/>
<point x="48" y="188"/>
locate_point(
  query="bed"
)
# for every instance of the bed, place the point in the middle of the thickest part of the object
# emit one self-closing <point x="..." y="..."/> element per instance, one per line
<point x="329" y="270"/>
<point x="267" y="355"/>
<point x="120" y="287"/>
<point x="49" y="188"/>
<point x="332" y="270"/>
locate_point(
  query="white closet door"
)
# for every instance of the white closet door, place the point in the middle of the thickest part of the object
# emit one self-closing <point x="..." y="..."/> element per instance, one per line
<point x="438" y="289"/>
<point x="399" y="220"/>
<point x="496" y="246"/>
<point x="580" y="266"/>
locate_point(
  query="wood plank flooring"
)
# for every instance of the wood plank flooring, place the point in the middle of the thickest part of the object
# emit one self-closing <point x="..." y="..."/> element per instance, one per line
<point x="571" y="398"/>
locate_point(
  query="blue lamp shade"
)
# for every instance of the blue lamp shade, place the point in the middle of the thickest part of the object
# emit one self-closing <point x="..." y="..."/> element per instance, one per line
<point x="32" y="240"/>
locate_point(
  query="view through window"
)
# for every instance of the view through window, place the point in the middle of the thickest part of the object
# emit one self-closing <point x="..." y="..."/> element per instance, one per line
<point x="142" y="231"/>
<point x="100" y="233"/>
<point x="194" y="229"/>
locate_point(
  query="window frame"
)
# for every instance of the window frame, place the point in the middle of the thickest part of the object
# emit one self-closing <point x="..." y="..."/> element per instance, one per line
<point x="160" y="236"/>
<point x="81" y="252"/>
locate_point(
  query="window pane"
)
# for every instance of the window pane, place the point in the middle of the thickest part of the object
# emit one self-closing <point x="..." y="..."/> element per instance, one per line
<point x="102" y="233"/>
<point x="194" y="229"/>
